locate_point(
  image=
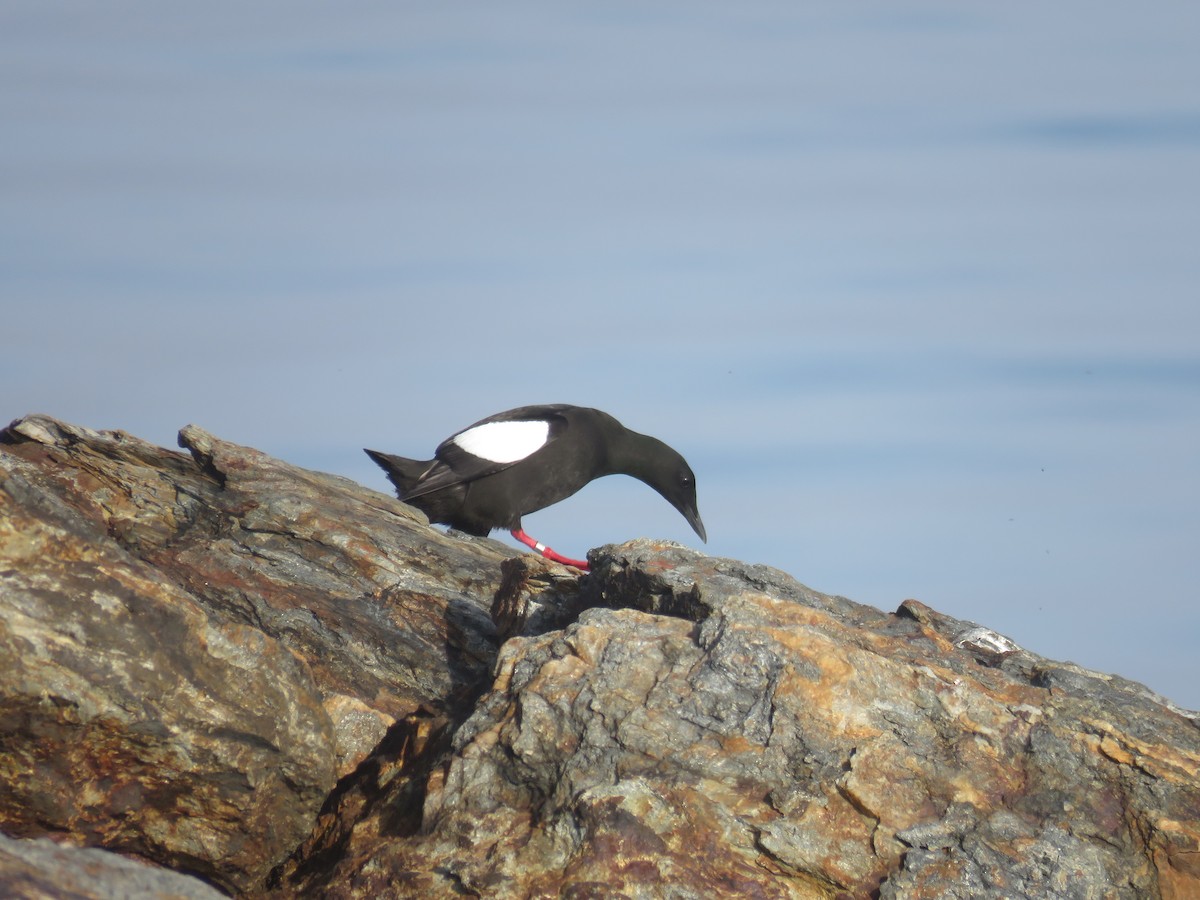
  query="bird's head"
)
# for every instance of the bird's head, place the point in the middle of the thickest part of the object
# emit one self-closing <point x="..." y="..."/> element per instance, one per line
<point x="669" y="474"/>
<point x="681" y="494"/>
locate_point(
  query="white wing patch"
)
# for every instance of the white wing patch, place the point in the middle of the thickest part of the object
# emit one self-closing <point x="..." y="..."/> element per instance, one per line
<point x="504" y="442"/>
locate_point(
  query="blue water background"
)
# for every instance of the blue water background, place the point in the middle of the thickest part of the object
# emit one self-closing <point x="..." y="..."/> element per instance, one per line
<point x="913" y="286"/>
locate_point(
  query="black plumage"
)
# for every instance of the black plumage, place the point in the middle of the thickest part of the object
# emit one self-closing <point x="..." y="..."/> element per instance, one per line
<point x="490" y="474"/>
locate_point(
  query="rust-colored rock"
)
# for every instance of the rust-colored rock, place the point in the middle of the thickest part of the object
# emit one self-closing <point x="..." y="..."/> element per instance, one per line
<point x="768" y="741"/>
<point x="197" y="647"/>
<point x="292" y="686"/>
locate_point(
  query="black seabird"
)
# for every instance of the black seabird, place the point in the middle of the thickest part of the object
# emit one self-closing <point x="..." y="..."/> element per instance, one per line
<point x="489" y="475"/>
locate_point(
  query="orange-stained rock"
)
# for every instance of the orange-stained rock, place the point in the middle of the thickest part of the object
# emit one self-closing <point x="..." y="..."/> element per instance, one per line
<point x="195" y="648"/>
<point x="292" y="686"/>
<point x="764" y="740"/>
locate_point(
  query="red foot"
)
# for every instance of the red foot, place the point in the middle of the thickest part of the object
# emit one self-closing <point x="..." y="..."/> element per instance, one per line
<point x="520" y="535"/>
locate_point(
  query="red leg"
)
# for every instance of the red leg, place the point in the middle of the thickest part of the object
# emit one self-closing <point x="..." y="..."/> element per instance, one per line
<point x="520" y="535"/>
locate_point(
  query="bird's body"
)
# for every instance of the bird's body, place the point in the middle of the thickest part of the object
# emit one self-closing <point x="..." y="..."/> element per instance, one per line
<point x="490" y="474"/>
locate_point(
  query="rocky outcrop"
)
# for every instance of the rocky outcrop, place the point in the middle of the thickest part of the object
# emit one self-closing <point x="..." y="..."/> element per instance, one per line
<point x="286" y="684"/>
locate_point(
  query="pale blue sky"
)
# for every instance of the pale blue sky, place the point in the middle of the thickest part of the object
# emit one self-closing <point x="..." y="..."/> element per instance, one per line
<point x="911" y="285"/>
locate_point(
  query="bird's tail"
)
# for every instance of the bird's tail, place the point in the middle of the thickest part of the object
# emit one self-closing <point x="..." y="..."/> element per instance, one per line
<point x="402" y="472"/>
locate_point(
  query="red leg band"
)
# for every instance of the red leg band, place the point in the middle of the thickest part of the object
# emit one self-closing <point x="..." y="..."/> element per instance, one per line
<point x="520" y="535"/>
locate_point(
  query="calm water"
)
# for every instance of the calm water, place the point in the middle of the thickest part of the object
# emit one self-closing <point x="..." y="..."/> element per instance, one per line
<point x="912" y="286"/>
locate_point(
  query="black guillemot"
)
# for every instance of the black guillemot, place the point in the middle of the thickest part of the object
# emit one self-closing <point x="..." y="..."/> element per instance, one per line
<point x="489" y="475"/>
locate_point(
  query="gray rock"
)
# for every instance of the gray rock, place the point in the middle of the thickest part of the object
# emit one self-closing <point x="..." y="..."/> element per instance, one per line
<point x="199" y="646"/>
<point x="715" y="731"/>
<point x="293" y="686"/>
<point x="39" y="868"/>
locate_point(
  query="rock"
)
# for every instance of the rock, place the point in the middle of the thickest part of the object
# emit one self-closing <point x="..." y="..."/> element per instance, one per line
<point x="724" y="731"/>
<point x="40" y="868"/>
<point x="291" y="685"/>
<point x="200" y="646"/>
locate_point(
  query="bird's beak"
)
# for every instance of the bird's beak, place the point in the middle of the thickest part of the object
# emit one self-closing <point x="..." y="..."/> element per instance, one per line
<point x="693" y="518"/>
